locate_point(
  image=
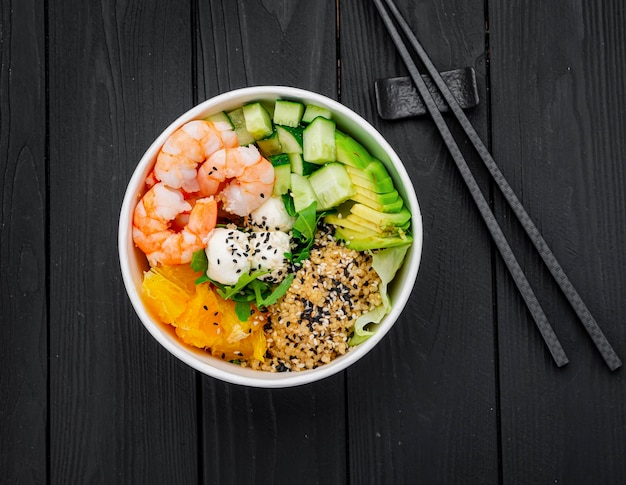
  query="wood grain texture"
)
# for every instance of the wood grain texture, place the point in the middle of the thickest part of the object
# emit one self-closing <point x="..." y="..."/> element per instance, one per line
<point x="23" y="261"/>
<point x="122" y="409"/>
<point x="422" y="406"/>
<point x="558" y="103"/>
<point x="294" y="47"/>
<point x="250" y="435"/>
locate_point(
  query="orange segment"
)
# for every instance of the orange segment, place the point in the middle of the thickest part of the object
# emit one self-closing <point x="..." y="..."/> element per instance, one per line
<point x="201" y="317"/>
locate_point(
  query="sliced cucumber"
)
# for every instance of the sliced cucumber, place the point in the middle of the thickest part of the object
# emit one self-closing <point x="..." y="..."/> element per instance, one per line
<point x="221" y="117"/>
<point x="332" y="185"/>
<point x="288" y="113"/>
<point x="239" y="125"/>
<point x="299" y="166"/>
<point x="270" y="145"/>
<point x="318" y="141"/>
<point x="302" y="192"/>
<point x="290" y="138"/>
<point x="258" y="120"/>
<point x="312" y="111"/>
<point x="282" y="173"/>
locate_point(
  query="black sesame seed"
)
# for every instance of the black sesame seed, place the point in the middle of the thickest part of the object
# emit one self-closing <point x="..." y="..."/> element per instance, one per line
<point x="205" y="307"/>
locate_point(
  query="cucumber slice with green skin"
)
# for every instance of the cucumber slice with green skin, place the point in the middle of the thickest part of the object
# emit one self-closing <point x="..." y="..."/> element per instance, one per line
<point x="312" y="111"/>
<point x="279" y="160"/>
<point x="351" y="152"/>
<point x="270" y="145"/>
<point x="332" y="185"/>
<point x="221" y="117"/>
<point x="360" y="241"/>
<point x="299" y="166"/>
<point x="239" y="125"/>
<point x="288" y="113"/>
<point x="302" y="192"/>
<point x="282" y="173"/>
<point x="290" y="138"/>
<point x="318" y="141"/>
<point x="258" y="120"/>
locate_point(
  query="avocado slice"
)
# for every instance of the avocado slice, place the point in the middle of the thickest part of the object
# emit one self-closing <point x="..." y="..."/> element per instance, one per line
<point x="379" y="203"/>
<point x="383" y="220"/>
<point x="347" y="222"/>
<point x="361" y="241"/>
<point x="382" y="198"/>
<point x="350" y="151"/>
<point x="374" y="177"/>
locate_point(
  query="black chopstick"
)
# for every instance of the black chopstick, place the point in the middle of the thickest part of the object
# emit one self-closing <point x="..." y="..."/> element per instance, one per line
<point x="596" y="334"/>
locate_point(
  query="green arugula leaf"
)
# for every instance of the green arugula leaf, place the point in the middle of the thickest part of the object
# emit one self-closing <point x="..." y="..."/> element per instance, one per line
<point x="306" y="223"/>
<point x="200" y="264"/>
<point x="289" y="205"/>
<point x="199" y="261"/>
<point x="202" y="279"/>
<point x="227" y="292"/>
<point x="279" y="291"/>
<point x="242" y="310"/>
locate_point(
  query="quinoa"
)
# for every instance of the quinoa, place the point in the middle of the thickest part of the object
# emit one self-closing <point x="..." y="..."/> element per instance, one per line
<point x="312" y="323"/>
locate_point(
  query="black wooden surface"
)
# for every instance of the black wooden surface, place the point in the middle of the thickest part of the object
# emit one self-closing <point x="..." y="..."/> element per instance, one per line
<point x="461" y="390"/>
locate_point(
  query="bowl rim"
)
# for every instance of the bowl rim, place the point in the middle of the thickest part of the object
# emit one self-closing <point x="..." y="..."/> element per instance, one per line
<point x="201" y="360"/>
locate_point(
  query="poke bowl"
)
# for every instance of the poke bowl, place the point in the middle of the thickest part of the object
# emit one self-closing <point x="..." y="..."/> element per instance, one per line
<point x="269" y="237"/>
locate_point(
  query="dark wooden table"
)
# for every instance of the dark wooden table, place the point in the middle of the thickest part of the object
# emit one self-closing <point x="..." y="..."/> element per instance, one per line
<point x="462" y="390"/>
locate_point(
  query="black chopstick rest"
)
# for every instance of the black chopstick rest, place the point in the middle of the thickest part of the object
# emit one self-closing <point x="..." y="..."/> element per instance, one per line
<point x="398" y="98"/>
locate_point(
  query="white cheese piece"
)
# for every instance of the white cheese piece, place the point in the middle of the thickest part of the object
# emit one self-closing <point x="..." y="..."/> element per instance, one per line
<point x="271" y="216"/>
<point x="268" y="253"/>
<point x="227" y="254"/>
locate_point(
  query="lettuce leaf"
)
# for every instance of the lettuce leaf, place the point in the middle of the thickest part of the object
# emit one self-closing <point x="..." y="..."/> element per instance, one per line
<point x="386" y="263"/>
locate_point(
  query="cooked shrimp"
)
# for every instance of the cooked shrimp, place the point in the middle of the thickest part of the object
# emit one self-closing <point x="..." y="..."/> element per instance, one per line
<point x="189" y="146"/>
<point x="239" y="177"/>
<point x="153" y="221"/>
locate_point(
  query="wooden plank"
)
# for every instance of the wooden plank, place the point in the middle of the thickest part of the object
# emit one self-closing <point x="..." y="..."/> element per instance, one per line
<point x="433" y="417"/>
<point x="23" y="259"/>
<point x="558" y="105"/>
<point x="250" y="434"/>
<point x="294" y="47"/>
<point x="122" y="409"/>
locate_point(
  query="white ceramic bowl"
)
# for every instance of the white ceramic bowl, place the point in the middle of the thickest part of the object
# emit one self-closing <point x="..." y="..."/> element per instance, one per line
<point x="133" y="263"/>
